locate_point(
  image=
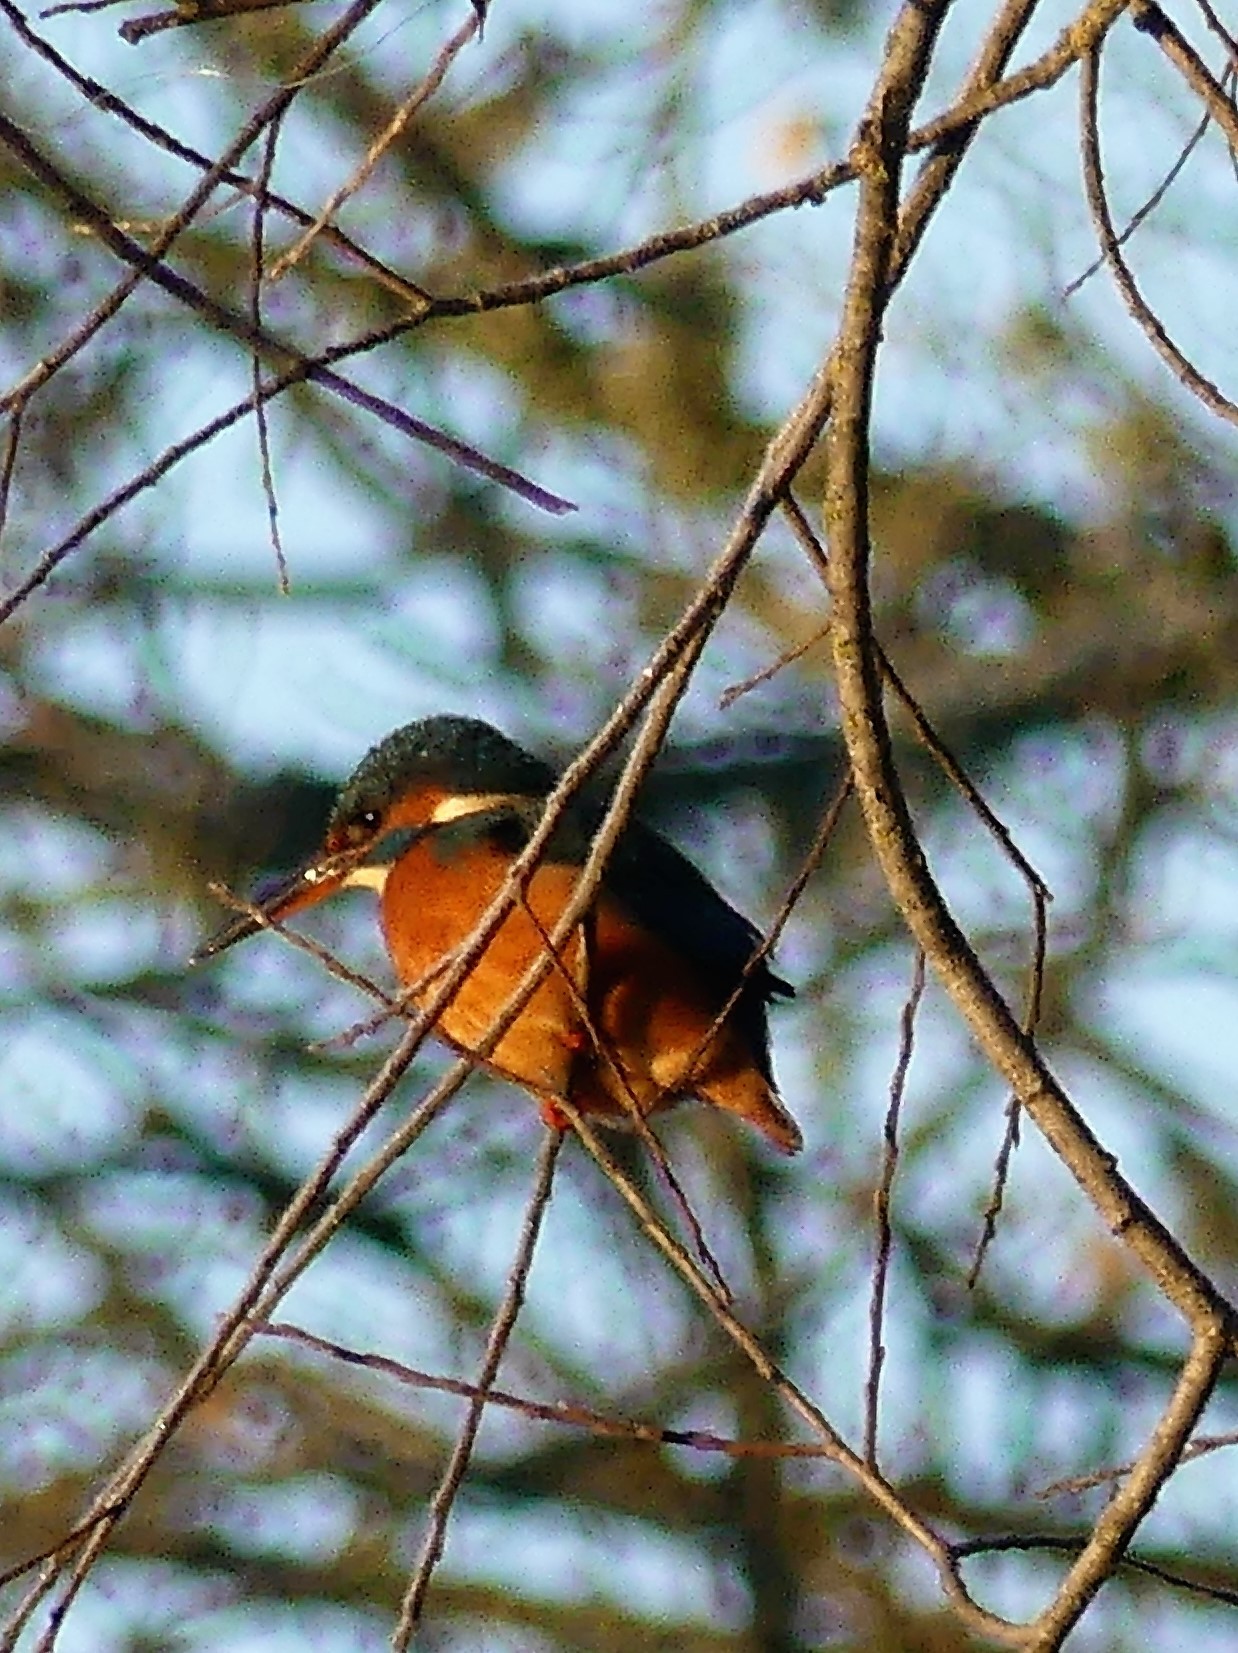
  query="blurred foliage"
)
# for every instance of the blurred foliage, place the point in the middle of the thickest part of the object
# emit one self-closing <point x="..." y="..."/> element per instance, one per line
<point x="170" y="719"/>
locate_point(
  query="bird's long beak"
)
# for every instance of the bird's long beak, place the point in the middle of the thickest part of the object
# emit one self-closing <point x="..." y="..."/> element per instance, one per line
<point x="289" y="893"/>
<point x="279" y="897"/>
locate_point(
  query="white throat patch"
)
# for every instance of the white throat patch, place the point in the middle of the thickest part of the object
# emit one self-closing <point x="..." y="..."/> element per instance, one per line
<point x="367" y="878"/>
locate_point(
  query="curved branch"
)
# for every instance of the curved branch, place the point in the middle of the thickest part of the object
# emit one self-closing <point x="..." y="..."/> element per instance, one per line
<point x="1141" y="312"/>
<point x="893" y="834"/>
<point x="1121" y="1517"/>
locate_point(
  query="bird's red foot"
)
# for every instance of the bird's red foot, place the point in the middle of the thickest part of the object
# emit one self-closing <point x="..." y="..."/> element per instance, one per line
<point x="553" y="1116"/>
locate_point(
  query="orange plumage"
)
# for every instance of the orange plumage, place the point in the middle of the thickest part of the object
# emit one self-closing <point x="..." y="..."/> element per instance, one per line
<point x="654" y="996"/>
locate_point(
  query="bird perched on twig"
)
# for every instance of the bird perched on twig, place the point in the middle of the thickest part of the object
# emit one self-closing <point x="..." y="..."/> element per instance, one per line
<point x="660" y="992"/>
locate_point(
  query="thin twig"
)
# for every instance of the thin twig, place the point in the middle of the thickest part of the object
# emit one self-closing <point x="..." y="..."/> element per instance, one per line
<point x="1218" y="28"/>
<point x="1037" y="888"/>
<point x="1014" y="1108"/>
<point x="567" y="1413"/>
<point x="813" y="857"/>
<point x="50" y="560"/>
<point x="980" y="96"/>
<point x="1200" y="1447"/>
<point x="420" y="95"/>
<point x="788" y="657"/>
<point x="1183" y="369"/>
<point x="496" y="1346"/>
<point x="991" y="1215"/>
<point x="83" y="6"/>
<point x="68" y="1541"/>
<point x="255" y="316"/>
<point x="306" y="944"/>
<point x="1146" y="210"/>
<point x="881" y="1213"/>
<point x="8" y="465"/>
<point x="99" y="96"/>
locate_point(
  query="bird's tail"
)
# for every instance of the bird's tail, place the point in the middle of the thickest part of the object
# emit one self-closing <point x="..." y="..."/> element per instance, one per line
<point x="753" y="1098"/>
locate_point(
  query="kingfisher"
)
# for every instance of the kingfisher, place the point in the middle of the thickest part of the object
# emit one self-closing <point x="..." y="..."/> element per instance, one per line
<point x="658" y="995"/>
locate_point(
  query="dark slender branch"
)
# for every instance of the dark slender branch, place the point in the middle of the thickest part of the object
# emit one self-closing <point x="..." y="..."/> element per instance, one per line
<point x="1141" y="312"/>
<point x="1031" y="1543"/>
<point x="102" y="97"/>
<point x="255" y="319"/>
<point x="314" y="59"/>
<point x="567" y="1413"/>
<point x="1147" y="209"/>
<point x="881" y="1210"/>
<point x="496" y="1346"/>
<point x="255" y="337"/>
<point x="1218" y="28"/>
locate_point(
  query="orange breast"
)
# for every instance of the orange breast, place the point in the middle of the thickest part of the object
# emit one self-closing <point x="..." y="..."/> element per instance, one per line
<point x="622" y="1021"/>
<point x="433" y="898"/>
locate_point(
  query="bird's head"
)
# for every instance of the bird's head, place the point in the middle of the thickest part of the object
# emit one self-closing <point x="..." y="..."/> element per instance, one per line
<point x="420" y="776"/>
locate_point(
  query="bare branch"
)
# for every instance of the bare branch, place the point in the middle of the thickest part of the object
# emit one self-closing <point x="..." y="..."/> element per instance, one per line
<point x="102" y="97"/>
<point x="187" y="13"/>
<point x="239" y="327"/>
<point x="567" y="1413"/>
<point x="1141" y="312"/>
<point x="496" y="1346"/>
<point x="881" y="1209"/>
<point x="420" y="95"/>
<point x="150" y="257"/>
<point x="255" y="318"/>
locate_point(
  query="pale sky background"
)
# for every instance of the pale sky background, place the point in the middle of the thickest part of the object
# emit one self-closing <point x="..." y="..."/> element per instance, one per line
<point x="309" y="690"/>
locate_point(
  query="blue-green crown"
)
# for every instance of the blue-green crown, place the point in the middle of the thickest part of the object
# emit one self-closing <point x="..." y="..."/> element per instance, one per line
<point x="461" y="754"/>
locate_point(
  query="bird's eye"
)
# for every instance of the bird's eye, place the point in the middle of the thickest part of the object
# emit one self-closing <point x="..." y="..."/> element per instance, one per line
<point x="362" y="826"/>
